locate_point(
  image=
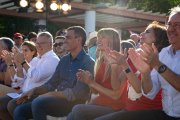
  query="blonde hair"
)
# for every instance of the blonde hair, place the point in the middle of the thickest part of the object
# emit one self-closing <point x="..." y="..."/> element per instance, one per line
<point x="114" y="44"/>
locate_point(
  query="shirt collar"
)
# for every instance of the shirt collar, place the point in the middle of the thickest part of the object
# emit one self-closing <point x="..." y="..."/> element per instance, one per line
<point x="171" y="51"/>
<point x="79" y="56"/>
<point x="46" y="54"/>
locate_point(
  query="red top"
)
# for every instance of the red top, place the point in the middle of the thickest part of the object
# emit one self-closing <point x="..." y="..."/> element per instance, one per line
<point x="103" y="99"/>
<point x="142" y="103"/>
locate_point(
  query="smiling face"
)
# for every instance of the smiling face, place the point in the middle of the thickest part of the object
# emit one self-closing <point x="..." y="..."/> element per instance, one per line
<point x="173" y="30"/>
<point x="147" y="36"/>
<point x="102" y="43"/>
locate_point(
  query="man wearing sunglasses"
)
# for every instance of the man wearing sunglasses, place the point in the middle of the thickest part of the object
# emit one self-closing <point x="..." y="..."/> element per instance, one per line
<point x="59" y="47"/>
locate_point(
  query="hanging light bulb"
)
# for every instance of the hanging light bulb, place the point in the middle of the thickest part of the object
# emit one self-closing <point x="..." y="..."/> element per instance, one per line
<point x="54" y="6"/>
<point x="69" y="7"/>
<point x="23" y="3"/>
<point x="65" y="7"/>
<point x="39" y="5"/>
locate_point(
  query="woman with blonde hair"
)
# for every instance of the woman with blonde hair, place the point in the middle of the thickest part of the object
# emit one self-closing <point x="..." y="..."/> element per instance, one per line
<point x="105" y="83"/>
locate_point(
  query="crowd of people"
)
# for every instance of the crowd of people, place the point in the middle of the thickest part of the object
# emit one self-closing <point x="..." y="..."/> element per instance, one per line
<point x="109" y="79"/>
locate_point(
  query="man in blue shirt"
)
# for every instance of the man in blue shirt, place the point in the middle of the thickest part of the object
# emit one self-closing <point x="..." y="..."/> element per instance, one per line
<point x="63" y="90"/>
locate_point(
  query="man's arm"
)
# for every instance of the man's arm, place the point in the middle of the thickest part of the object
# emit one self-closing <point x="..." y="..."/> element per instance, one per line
<point x="169" y="76"/>
<point x="80" y="90"/>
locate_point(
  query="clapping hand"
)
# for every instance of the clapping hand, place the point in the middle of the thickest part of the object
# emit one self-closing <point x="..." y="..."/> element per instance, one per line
<point x="150" y="54"/>
<point x="115" y="57"/>
<point x="18" y="56"/>
<point x="7" y="56"/>
<point x="138" y="61"/>
<point x="84" y="76"/>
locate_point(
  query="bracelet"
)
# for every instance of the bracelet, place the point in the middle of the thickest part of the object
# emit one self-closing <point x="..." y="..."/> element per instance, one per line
<point x="127" y="70"/>
<point x="24" y="62"/>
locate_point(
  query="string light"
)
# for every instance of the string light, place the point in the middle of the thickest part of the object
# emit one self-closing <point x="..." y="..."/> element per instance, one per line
<point x="54" y="5"/>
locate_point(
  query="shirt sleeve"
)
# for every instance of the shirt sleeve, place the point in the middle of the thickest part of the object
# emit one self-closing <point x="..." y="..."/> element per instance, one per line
<point x="156" y="85"/>
<point x="52" y="84"/>
<point x="80" y="91"/>
<point x="41" y="72"/>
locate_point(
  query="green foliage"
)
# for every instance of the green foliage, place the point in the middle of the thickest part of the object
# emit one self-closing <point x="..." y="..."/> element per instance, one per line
<point x="161" y="6"/>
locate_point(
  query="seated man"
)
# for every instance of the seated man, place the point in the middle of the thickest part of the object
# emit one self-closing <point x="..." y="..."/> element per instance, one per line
<point x="37" y="75"/>
<point x="62" y="91"/>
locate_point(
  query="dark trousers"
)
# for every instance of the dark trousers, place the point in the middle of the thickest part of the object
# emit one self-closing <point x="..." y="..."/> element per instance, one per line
<point x="137" y="115"/>
<point x="43" y="106"/>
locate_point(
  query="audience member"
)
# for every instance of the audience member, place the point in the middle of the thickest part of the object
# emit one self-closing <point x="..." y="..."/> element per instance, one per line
<point x="164" y="75"/>
<point x="105" y="82"/>
<point x="37" y="74"/>
<point x="59" y="47"/>
<point x="91" y="44"/>
<point x="18" y="39"/>
<point x="32" y="36"/>
<point x="134" y="99"/>
<point x="63" y="90"/>
<point x="136" y="38"/>
<point x="5" y="44"/>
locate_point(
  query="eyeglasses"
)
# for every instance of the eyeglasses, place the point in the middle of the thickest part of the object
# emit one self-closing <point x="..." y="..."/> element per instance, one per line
<point x="58" y="44"/>
<point x="175" y="25"/>
<point x="41" y="43"/>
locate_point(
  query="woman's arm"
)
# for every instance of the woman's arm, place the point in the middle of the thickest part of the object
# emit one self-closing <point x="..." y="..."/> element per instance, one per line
<point x="117" y="86"/>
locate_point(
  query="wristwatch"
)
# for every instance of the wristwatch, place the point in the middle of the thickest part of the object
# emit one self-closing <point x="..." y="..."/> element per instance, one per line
<point x="127" y="70"/>
<point x="162" y="68"/>
<point x="24" y="62"/>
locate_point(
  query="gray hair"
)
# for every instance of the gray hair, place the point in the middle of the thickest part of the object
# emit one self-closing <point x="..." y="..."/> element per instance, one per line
<point x="7" y="43"/>
<point x="175" y="10"/>
<point x="46" y="34"/>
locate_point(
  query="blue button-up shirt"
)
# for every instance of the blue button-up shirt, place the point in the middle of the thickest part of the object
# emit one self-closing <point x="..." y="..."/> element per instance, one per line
<point x="64" y="79"/>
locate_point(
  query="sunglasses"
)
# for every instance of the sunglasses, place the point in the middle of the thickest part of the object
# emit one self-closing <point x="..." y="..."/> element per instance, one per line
<point x="58" y="44"/>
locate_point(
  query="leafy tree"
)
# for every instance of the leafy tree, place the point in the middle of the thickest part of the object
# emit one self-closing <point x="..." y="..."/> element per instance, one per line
<point x="161" y="6"/>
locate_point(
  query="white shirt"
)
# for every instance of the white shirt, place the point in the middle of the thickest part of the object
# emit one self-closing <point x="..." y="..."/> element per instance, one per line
<point x="170" y="96"/>
<point x="18" y="81"/>
<point x="40" y="72"/>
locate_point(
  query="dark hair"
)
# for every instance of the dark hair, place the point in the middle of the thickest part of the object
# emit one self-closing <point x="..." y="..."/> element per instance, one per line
<point x="61" y="32"/>
<point x="127" y="45"/>
<point x="31" y="46"/>
<point x="8" y="43"/>
<point x="160" y="35"/>
<point x="32" y="35"/>
<point x="80" y="32"/>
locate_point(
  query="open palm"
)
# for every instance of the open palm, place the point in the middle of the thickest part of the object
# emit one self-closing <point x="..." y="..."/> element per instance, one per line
<point x="138" y="61"/>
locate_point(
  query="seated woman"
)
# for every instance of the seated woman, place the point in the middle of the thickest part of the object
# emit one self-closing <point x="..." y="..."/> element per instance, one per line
<point x="154" y="33"/>
<point x="105" y="83"/>
<point x="16" y="72"/>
